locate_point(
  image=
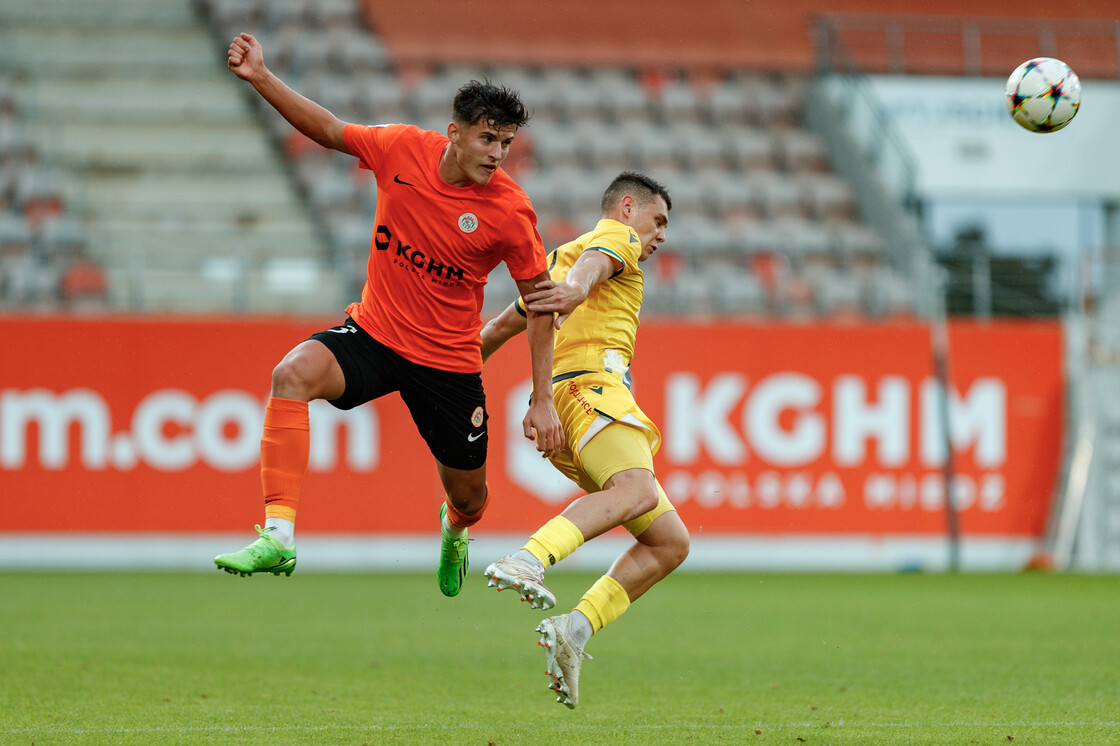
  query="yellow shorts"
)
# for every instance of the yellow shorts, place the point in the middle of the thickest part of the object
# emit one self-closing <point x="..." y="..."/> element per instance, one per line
<point x="605" y="433"/>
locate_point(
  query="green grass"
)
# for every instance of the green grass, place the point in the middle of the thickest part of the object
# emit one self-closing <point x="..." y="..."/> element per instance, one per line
<point x="724" y="658"/>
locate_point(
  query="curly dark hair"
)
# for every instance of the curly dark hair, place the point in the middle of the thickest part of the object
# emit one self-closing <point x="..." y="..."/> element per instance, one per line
<point x="640" y="186"/>
<point x="496" y="105"/>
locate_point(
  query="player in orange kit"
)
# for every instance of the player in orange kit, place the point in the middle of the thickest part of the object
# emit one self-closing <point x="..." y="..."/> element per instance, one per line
<point x="447" y="214"/>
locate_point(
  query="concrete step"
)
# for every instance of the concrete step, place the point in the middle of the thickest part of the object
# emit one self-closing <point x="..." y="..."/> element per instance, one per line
<point x="209" y="99"/>
<point x="99" y="50"/>
<point x="154" y="193"/>
<point x="182" y="244"/>
<point x="182" y="193"/>
<point x="97" y="11"/>
<point x="295" y="289"/>
<point x="183" y="148"/>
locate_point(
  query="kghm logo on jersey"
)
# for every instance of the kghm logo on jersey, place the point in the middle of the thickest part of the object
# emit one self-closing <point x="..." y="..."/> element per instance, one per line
<point x="468" y="222"/>
<point x="414" y="259"/>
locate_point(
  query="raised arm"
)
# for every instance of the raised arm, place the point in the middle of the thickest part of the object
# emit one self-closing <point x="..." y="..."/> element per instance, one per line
<point x="246" y="60"/>
<point x="541" y="423"/>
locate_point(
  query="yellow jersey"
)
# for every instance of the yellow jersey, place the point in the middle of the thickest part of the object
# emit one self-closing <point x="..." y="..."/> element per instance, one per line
<point x="600" y="333"/>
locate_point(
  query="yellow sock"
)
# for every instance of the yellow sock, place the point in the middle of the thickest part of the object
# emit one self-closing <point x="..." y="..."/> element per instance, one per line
<point x="603" y="603"/>
<point x="554" y="541"/>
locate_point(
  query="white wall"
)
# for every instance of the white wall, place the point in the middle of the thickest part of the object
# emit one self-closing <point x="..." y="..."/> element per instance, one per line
<point x="964" y="143"/>
<point x="1031" y="194"/>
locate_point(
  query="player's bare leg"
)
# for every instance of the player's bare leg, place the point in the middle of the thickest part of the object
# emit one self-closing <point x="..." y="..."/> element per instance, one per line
<point x="624" y="497"/>
<point x="659" y="550"/>
<point x="466" y="500"/>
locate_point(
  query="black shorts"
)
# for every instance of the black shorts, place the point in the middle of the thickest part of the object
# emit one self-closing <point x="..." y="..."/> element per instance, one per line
<point x="449" y="408"/>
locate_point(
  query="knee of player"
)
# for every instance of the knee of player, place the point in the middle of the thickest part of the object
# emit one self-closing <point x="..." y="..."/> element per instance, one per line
<point x="680" y="546"/>
<point x="290" y="380"/>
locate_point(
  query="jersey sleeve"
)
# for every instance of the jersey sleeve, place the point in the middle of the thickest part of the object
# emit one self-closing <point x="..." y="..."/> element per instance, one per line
<point x="368" y="143"/>
<point x="523" y="249"/>
<point x="619" y="242"/>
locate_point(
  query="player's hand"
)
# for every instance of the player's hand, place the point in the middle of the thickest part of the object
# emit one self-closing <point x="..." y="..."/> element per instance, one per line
<point x="560" y="298"/>
<point x="246" y="59"/>
<point x="542" y="426"/>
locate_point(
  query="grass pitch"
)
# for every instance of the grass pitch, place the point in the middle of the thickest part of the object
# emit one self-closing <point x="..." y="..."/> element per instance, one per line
<point x="723" y="658"/>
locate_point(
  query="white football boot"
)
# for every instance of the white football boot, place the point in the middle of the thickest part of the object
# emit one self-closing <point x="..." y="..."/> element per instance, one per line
<point x="524" y="577"/>
<point x="564" y="659"/>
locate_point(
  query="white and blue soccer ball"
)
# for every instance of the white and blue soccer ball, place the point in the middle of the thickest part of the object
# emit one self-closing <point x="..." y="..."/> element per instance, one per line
<point x="1043" y="94"/>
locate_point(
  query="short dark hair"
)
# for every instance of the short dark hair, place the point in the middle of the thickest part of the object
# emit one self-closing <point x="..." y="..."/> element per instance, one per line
<point x="498" y="106"/>
<point x="642" y="187"/>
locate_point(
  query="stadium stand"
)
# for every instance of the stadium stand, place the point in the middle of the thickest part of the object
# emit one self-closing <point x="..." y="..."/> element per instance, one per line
<point x="158" y="159"/>
<point x="244" y="214"/>
<point x="42" y="244"/>
<point x="746" y="175"/>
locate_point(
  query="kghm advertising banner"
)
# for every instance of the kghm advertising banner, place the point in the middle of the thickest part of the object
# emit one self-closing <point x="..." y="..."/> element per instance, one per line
<point x="820" y="431"/>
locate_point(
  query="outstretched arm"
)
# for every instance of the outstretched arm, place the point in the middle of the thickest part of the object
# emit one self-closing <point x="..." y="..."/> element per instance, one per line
<point x="541" y="423"/>
<point x="501" y="329"/>
<point x="562" y="298"/>
<point x="246" y="60"/>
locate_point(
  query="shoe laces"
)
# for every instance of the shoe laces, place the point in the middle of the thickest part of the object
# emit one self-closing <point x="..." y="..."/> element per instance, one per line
<point x="454" y="546"/>
<point x="523" y="567"/>
<point x="567" y="636"/>
<point x="264" y="540"/>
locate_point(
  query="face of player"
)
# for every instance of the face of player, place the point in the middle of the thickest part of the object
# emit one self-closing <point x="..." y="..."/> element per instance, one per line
<point x="475" y="152"/>
<point x="649" y="220"/>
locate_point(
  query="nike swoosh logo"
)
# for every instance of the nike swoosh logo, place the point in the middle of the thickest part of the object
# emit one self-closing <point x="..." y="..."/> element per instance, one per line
<point x="398" y="179"/>
<point x="596" y="389"/>
<point x="472" y="438"/>
<point x="343" y="330"/>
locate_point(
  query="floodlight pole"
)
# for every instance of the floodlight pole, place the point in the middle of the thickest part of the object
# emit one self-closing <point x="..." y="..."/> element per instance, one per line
<point x="939" y="342"/>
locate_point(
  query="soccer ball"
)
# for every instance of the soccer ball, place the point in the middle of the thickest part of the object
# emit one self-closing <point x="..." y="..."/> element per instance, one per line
<point x="1043" y="94"/>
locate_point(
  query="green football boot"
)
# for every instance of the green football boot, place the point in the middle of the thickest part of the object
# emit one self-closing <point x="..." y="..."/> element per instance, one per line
<point x="453" y="562"/>
<point x="263" y="555"/>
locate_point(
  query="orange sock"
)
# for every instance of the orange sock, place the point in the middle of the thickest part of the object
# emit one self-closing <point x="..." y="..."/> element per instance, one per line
<point x="284" y="452"/>
<point x="464" y="520"/>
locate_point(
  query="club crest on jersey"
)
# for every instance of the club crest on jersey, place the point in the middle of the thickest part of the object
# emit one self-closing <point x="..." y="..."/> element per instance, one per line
<point x="468" y="222"/>
<point x="476" y="417"/>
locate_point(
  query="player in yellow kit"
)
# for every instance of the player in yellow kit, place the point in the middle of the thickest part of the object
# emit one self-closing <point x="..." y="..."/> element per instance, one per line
<point x="596" y="289"/>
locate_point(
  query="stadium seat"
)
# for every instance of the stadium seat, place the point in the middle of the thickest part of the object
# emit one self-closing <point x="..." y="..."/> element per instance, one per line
<point x="829" y="198"/>
<point x="342" y="14"/>
<point x="837" y="293"/>
<point x="622" y="99"/>
<point x="352" y="51"/>
<point x="729" y="104"/>
<point x="802" y="151"/>
<point x="860" y="245"/>
<point x="889" y="294"/>
<point x="778" y="194"/>
<point x="679" y="102"/>
<point x="808" y="243"/>
<point x="698" y="148"/>
<point x="570" y="96"/>
<point x="749" y="149"/>
<point x="380" y="98"/>
<point x="732" y="197"/>
<point x="63" y="234"/>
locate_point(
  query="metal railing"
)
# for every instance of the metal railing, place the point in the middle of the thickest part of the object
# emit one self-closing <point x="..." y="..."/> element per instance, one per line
<point x="968" y="46"/>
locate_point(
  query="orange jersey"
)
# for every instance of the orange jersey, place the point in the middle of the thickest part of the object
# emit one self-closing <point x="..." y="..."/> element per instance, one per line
<point x="434" y="246"/>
